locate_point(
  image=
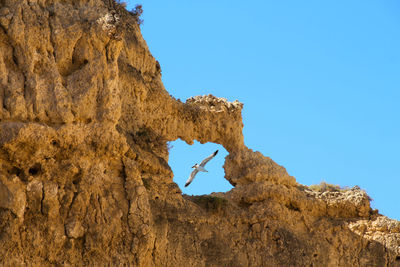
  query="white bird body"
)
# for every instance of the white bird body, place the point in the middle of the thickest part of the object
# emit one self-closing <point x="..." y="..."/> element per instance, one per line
<point x="199" y="168"/>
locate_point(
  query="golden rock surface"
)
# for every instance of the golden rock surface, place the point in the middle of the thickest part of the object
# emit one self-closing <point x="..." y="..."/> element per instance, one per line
<point x="85" y="180"/>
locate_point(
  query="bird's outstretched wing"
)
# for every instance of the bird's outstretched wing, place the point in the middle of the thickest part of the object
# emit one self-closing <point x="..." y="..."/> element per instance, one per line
<point x="191" y="177"/>
<point x="204" y="162"/>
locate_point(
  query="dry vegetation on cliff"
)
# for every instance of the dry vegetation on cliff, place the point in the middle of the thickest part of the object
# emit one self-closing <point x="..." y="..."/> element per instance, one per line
<point x="84" y="177"/>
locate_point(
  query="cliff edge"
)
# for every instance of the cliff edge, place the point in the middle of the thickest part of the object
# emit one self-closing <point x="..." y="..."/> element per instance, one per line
<point x="84" y="174"/>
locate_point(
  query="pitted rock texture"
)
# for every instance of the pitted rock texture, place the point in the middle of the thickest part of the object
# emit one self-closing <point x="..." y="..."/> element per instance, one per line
<point x="84" y="174"/>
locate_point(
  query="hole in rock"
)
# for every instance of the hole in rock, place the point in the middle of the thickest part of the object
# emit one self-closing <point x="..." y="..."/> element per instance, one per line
<point x="55" y="143"/>
<point x="397" y="258"/>
<point x="183" y="156"/>
<point x="35" y="169"/>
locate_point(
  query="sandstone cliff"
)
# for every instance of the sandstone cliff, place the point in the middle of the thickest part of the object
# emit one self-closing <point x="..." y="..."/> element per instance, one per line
<point x="84" y="175"/>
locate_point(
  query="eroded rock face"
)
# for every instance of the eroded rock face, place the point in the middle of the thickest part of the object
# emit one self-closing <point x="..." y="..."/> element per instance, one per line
<point x="84" y="177"/>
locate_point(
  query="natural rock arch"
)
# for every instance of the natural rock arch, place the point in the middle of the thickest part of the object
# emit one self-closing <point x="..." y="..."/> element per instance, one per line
<point x="84" y="175"/>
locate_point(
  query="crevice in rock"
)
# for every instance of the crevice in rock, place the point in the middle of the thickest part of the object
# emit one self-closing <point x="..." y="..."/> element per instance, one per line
<point x="14" y="57"/>
<point x="72" y="202"/>
<point x="52" y="41"/>
<point x="42" y="202"/>
<point x="124" y="177"/>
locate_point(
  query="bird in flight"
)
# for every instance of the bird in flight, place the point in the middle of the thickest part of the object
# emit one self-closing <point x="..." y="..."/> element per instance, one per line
<point x="199" y="168"/>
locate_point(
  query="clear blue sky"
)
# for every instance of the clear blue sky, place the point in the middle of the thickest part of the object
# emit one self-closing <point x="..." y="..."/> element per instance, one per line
<point x="320" y="83"/>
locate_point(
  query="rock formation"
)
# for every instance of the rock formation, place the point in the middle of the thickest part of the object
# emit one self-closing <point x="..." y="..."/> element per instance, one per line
<point x="84" y="175"/>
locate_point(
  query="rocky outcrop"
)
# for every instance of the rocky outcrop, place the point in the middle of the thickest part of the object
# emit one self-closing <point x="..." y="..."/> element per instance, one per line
<point x="84" y="177"/>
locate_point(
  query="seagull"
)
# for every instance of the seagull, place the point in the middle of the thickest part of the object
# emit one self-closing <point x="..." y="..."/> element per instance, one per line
<point x="199" y="168"/>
